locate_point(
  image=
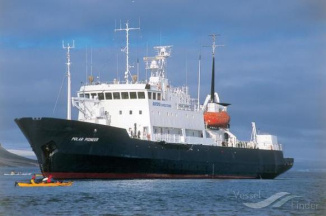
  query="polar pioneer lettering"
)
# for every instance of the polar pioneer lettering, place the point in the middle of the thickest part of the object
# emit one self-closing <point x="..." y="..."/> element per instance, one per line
<point x="85" y="139"/>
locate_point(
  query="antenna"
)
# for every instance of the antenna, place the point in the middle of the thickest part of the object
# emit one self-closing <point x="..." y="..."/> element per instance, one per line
<point x="68" y="47"/>
<point x="126" y="49"/>
<point x="213" y="66"/>
<point x="117" y="66"/>
<point x="199" y="70"/>
<point x="91" y="61"/>
<point x="146" y="69"/>
<point x="186" y="70"/>
<point x="137" y="69"/>
<point x="214" y="45"/>
<point x="86" y="65"/>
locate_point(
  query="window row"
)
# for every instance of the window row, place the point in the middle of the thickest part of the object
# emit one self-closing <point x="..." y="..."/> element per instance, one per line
<point x="114" y="95"/>
<point x="154" y="96"/>
<point x="130" y="112"/>
<point x="122" y="95"/>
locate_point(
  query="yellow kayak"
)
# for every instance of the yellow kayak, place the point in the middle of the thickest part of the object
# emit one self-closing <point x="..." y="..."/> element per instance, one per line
<point x="43" y="184"/>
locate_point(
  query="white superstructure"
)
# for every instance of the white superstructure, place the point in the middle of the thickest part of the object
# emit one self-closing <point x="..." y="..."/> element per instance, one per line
<point x="155" y="110"/>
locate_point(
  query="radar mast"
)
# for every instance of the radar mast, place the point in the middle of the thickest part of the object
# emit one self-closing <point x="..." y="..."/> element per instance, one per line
<point x="126" y="49"/>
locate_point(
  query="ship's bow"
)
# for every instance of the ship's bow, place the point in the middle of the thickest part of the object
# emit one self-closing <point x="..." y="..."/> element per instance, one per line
<point x="41" y="133"/>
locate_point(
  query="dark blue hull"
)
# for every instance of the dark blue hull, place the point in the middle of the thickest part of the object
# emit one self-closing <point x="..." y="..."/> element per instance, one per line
<point x="73" y="149"/>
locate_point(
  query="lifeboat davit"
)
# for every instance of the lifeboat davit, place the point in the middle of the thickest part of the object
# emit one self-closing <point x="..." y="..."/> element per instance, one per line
<point x="217" y="119"/>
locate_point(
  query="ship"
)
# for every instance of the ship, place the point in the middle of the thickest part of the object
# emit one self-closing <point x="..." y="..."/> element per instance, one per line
<point x="134" y="129"/>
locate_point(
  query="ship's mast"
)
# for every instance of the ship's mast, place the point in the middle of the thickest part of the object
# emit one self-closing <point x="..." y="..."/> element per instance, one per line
<point x="199" y="70"/>
<point x="213" y="66"/>
<point x="126" y="49"/>
<point x="68" y="47"/>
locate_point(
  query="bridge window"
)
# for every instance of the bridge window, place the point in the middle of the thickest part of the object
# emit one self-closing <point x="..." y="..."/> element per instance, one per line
<point x="124" y="95"/>
<point x="150" y="95"/>
<point x="87" y="95"/>
<point x="133" y="95"/>
<point x="116" y="95"/>
<point x="154" y="96"/>
<point x="93" y="95"/>
<point x="158" y="96"/>
<point x="141" y="95"/>
<point x="108" y="95"/>
<point x="81" y="95"/>
<point x="101" y="96"/>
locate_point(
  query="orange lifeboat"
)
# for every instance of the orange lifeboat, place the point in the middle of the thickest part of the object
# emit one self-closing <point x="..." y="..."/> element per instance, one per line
<point x="217" y="119"/>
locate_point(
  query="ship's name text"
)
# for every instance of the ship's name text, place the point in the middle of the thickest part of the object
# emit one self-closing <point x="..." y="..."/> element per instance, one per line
<point x="161" y="104"/>
<point x="84" y="139"/>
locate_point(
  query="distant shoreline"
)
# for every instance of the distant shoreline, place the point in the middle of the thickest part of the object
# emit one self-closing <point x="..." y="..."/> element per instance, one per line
<point x="23" y="153"/>
<point x="8" y="159"/>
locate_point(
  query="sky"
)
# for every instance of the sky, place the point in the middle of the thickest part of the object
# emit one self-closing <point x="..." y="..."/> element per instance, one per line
<point x="271" y="67"/>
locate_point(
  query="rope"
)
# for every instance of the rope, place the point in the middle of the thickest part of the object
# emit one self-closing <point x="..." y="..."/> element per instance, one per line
<point x="56" y="102"/>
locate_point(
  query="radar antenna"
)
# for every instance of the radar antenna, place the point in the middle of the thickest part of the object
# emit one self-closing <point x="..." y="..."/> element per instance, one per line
<point x="157" y="64"/>
<point x="126" y="49"/>
<point x="68" y="47"/>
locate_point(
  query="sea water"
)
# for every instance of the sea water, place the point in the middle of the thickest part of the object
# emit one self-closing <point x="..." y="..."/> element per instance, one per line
<point x="293" y="193"/>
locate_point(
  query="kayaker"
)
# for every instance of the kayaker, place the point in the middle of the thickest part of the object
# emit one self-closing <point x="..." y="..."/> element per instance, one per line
<point x="33" y="179"/>
<point x="49" y="180"/>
